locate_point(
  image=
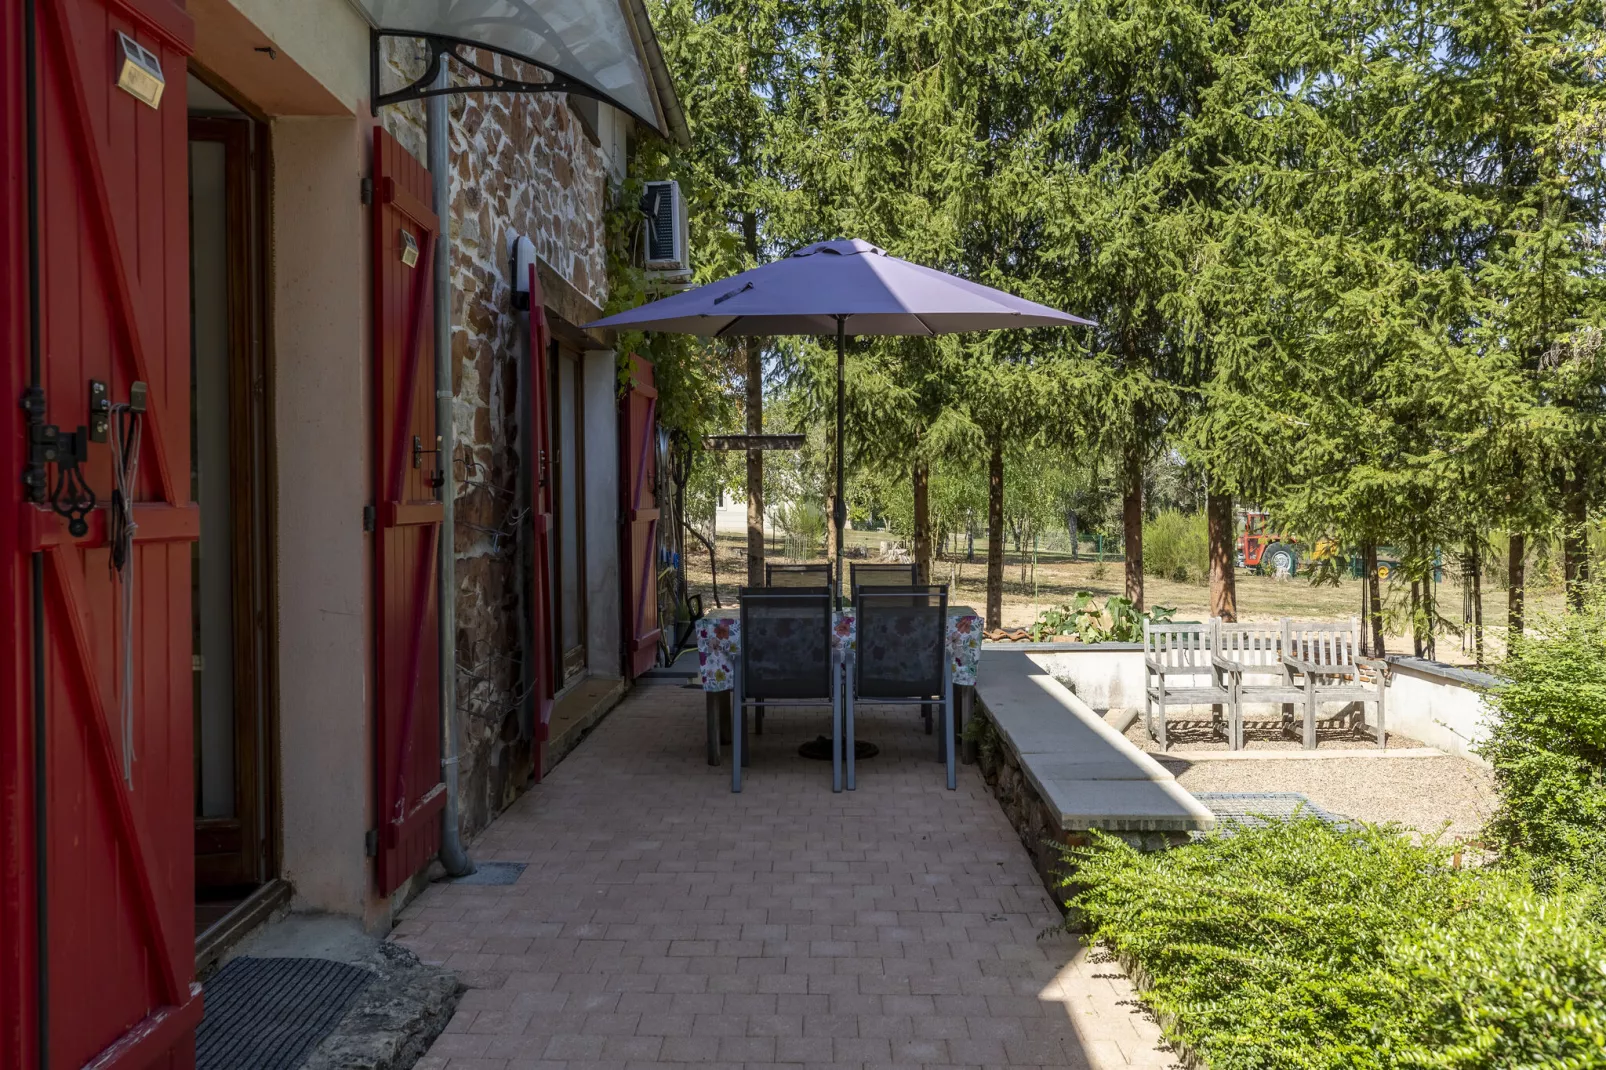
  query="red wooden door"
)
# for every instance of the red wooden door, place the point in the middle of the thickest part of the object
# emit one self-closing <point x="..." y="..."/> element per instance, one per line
<point x="638" y="459"/>
<point x="112" y="984"/>
<point x="407" y="712"/>
<point x="543" y="641"/>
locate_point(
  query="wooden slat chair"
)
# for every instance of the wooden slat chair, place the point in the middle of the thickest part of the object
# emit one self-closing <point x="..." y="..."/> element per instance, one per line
<point x="1251" y="662"/>
<point x="1325" y="659"/>
<point x="1179" y="672"/>
<point x="814" y="575"/>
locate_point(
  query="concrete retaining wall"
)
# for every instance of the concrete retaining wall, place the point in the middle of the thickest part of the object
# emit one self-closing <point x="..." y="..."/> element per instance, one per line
<point x="1442" y="705"/>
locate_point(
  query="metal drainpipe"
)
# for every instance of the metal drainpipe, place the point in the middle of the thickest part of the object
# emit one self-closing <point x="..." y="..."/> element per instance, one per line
<point x="452" y="854"/>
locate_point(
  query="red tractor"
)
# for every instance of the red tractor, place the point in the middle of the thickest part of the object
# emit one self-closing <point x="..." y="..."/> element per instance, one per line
<point x="1262" y="548"/>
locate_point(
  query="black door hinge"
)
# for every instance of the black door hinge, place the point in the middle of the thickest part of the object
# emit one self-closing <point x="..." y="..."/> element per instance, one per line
<point x="369" y="518"/>
<point x="370" y="843"/>
<point x="367" y="194"/>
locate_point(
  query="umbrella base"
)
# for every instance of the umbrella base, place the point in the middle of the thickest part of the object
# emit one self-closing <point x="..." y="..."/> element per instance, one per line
<point x="819" y="749"/>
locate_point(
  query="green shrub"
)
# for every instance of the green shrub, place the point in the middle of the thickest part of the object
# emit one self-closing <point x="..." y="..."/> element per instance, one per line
<point x="1297" y="945"/>
<point x="804" y="525"/>
<point x="1116" y="620"/>
<point x="1177" y="546"/>
<point x="1548" y="749"/>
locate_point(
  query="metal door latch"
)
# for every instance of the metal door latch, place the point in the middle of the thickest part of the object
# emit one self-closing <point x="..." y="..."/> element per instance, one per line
<point x="437" y="479"/>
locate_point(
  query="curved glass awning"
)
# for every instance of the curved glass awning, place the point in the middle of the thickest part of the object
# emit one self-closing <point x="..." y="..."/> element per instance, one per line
<point x="592" y="44"/>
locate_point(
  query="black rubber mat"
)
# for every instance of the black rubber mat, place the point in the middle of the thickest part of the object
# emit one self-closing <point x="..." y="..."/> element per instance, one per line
<point x="492" y="873"/>
<point x="267" y="1014"/>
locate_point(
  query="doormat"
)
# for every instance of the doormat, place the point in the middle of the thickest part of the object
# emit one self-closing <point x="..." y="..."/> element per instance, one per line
<point x="819" y="748"/>
<point x="492" y="873"/>
<point x="1251" y="809"/>
<point x="268" y="1013"/>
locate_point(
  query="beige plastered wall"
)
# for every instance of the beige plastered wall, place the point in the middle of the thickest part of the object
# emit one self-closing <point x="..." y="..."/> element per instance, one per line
<point x="315" y="89"/>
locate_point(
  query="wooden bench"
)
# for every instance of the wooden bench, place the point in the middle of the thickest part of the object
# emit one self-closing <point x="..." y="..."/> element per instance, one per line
<point x="1179" y="671"/>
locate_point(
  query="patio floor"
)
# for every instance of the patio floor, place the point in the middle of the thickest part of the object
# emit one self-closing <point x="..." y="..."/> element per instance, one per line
<point x="664" y="920"/>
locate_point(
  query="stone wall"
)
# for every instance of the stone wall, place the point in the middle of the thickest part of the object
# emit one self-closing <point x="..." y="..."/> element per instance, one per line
<point x="1036" y="823"/>
<point x="521" y="165"/>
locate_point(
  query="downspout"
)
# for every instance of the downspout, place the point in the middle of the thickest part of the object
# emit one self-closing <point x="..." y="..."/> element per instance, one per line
<point x="452" y="854"/>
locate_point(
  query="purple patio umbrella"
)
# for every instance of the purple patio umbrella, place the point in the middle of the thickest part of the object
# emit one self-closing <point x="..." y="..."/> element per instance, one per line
<point x="839" y="287"/>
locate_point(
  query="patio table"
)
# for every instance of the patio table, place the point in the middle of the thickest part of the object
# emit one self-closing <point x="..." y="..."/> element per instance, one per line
<point x="719" y="645"/>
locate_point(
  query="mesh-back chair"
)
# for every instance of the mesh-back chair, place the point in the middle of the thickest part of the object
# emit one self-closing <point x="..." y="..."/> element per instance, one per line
<point x="797" y="575"/>
<point x="785" y="657"/>
<point x="878" y="576"/>
<point x="901" y="658"/>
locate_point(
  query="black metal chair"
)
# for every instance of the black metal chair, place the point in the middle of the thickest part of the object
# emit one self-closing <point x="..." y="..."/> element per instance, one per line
<point x="785" y="657"/>
<point x="901" y="658"/>
<point x="797" y="575"/>
<point x="869" y="575"/>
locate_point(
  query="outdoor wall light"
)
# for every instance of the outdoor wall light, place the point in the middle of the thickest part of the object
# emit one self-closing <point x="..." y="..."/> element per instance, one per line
<point x="140" y="74"/>
<point x="521" y="257"/>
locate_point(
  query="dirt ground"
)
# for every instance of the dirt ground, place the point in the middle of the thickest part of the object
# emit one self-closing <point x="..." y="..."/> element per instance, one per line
<point x="1441" y="795"/>
<point x="1030" y="588"/>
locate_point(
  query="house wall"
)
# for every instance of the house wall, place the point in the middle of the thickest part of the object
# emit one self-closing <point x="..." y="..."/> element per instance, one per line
<point x="521" y="165"/>
<point x="321" y="435"/>
<point x="605" y="639"/>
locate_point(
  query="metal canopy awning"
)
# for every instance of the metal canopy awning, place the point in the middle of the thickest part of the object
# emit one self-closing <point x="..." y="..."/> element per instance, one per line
<point x="596" y="48"/>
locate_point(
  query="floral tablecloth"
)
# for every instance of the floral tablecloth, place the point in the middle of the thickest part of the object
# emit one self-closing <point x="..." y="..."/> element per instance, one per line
<point x="719" y="645"/>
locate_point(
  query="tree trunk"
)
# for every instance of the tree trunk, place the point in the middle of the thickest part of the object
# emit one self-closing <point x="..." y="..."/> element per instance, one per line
<point x="1574" y="540"/>
<point x="1477" y="603"/>
<point x="995" y="535"/>
<point x="1073" y="529"/>
<point x="1223" y="566"/>
<point x="922" y="548"/>
<point x="1374" y="590"/>
<point x="1416" y="617"/>
<point x="1516" y="569"/>
<point x="1132" y="518"/>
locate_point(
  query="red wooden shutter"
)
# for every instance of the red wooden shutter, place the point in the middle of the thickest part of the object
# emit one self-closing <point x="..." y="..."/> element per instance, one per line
<point x="543" y="647"/>
<point x="114" y="290"/>
<point x="638" y="462"/>
<point x="407" y="712"/>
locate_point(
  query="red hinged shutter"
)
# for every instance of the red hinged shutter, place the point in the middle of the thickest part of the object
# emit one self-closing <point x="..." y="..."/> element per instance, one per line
<point x="638" y="462"/>
<point x="114" y="306"/>
<point x="542" y="644"/>
<point x="407" y="712"/>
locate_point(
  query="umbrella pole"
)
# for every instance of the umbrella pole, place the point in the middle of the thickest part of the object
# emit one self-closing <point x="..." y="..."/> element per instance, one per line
<point x="841" y="511"/>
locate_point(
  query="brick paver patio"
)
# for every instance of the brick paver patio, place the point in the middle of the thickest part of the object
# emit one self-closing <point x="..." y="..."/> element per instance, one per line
<point x="664" y="920"/>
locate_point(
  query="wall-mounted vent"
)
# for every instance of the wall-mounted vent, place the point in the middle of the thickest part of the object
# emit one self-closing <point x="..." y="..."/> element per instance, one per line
<point x="666" y="228"/>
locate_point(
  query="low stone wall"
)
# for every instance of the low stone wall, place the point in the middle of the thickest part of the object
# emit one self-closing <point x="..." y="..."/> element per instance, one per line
<point x="1035" y="822"/>
<point x="1106" y="676"/>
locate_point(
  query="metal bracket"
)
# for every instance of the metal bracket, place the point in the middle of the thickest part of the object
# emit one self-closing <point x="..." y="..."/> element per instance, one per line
<point x="100" y="410"/>
<point x="438" y="478"/>
<point x="440" y="49"/>
<point x="370" y="843"/>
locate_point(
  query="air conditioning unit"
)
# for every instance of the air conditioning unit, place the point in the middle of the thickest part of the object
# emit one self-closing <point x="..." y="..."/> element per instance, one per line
<point x="666" y="228"/>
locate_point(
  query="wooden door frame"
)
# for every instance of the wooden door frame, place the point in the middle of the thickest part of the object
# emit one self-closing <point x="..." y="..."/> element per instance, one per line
<point x="566" y="467"/>
<point x="251" y="838"/>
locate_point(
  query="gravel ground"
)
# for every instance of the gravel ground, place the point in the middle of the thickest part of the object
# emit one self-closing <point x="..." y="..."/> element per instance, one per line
<point x="1425" y="794"/>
